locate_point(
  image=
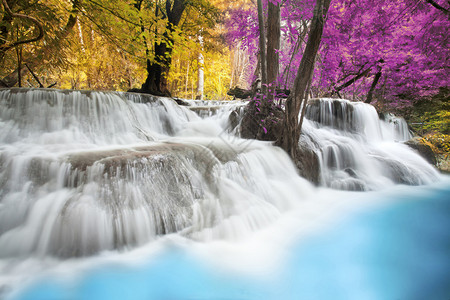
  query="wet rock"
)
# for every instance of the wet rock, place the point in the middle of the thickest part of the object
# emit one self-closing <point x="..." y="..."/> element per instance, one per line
<point x="334" y="113"/>
<point x="181" y="102"/>
<point x="349" y="184"/>
<point x="252" y="126"/>
<point x="205" y="111"/>
<point x="234" y="119"/>
<point x="240" y="93"/>
<point x="118" y="159"/>
<point x="350" y="172"/>
<point x="443" y="163"/>
<point x="397" y="171"/>
<point x="262" y="126"/>
<point x="423" y="149"/>
<point x="308" y="164"/>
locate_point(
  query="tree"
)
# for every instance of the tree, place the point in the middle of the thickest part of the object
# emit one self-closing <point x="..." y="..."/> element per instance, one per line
<point x="157" y="70"/>
<point x="265" y="118"/>
<point x="170" y="29"/>
<point x="112" y="40"/>
<point x="273" y="44"/>
<point x="296" y="102"/>
<point x="200" y="71"/>
<point x="262" y="48"/>
<point x="384" y="50"/>
<point x="243" y="30"/>
<point x="52" y="36"/>
<point x="439" y="7"/>
<point x="7" y="20"/>
<point x="198" y="40"/>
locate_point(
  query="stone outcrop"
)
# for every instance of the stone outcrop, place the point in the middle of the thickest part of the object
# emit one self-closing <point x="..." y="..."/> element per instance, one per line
<point x="308" y="164"/>
<point x="337" y="114"/>
<point x="252" y="127"/>
<point x="423" y="148"/>
<point x="255" y="126"/>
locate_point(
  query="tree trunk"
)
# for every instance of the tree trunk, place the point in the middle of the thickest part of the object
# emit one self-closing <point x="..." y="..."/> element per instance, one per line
<point x="156" y="82"/>
<point x="262" y="48"/>
<point x="200" y="71"/>
<point x="372" y="87"/>
<point x="187" y="79"/>
<point x="157" y="71"/>
<point x="19" y="63"/>
<point x="273" y="43"/>
<point x="298" y="46"/>
<point x="291" y="131"/>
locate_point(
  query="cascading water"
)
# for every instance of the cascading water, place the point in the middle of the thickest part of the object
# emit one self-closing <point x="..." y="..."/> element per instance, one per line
<point x="95" y="171"/>
<point x="357" y="150"/>
<point x="84" y="174"/>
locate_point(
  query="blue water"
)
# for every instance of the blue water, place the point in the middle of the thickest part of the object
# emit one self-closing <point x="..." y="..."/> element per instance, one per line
<point x="399" y="250"/>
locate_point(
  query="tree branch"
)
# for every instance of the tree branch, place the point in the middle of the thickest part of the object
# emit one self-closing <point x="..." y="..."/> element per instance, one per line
<point x="374" y="84"/>
<point x="35" y="21"/>
<point x="11" y="79"/>
<point x="116" y="14"/>
<point x="34" y="76"/>
<point x="353" y="80"/>
<point x="437" y="6"/>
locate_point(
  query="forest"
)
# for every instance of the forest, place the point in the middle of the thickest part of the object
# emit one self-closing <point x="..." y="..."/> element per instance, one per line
<point x="392" y="54"/>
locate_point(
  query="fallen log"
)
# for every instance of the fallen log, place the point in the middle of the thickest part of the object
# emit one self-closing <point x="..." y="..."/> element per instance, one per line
<point x="241" y="93"/>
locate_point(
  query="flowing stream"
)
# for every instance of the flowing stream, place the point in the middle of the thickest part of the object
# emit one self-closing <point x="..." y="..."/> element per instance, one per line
<point x="126" y="196"/>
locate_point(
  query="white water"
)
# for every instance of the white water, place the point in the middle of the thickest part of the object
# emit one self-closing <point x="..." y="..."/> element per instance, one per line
<point x="358" y="151"/>
<point x="93" y="172"/>
<point x="87" y="172"/>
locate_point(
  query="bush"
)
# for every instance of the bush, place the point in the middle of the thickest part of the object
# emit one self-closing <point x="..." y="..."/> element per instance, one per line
<point x="440" y="143"/>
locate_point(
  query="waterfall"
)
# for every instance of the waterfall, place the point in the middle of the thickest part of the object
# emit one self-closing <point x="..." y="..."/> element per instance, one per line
<point x="84" y="172"/>
<point x="357" y="150"/>
<point x="85" y="176"/>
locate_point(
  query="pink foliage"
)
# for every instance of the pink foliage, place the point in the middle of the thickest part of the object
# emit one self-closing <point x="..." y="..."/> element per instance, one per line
<point x="406" y="40"/>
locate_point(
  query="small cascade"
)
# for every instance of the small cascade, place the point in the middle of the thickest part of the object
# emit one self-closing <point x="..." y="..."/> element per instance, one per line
<point x="397" y="127"/>
<point x="208" y="108"/>
<point x="62" y="117"/>
<point x="358" y="151"/>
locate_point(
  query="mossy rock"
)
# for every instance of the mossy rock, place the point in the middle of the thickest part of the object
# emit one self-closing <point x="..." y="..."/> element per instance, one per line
<point x="440" y="144"/>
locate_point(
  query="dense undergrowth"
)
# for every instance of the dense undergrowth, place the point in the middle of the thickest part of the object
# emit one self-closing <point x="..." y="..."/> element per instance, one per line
<point x="431" y="115"/>
<point x="430" y="119"/>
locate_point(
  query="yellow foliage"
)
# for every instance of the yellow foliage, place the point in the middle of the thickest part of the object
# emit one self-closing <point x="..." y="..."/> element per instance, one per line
<point x="183" y="73"/>
<point x="440" y="143"/>
<point x="98" y="65"/>
<point x="109" y="45"/>
<point x="217" y="75"/>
